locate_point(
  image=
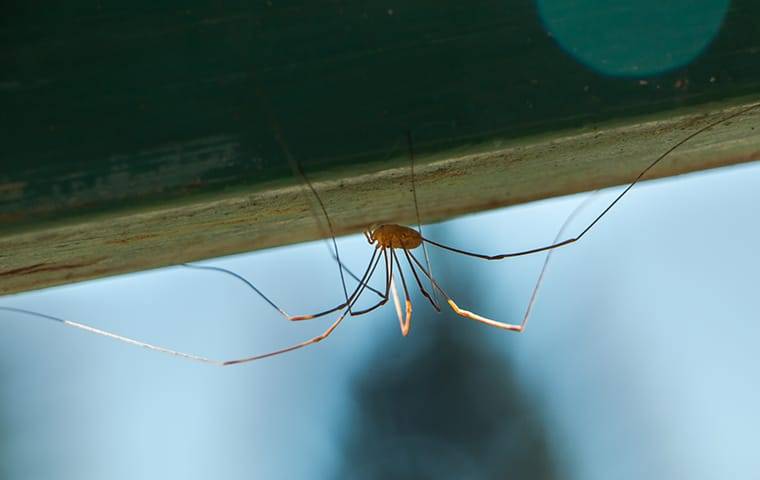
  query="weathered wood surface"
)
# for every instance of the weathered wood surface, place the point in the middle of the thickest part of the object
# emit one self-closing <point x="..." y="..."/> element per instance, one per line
<point x="139" y="138"/>
<point x="477" y="178"/>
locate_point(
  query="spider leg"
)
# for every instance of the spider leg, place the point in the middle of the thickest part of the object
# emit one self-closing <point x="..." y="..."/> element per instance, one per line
<point x="557" y="243"/>
<point x="363" y="284"/>
<point x="352" y="274"/>
<point x="406" y="324"/>
<point x="533" y="295"/>
<point x="397" y="303"/>
<point x="427" y="295"/>
<point x="466" y="313"/>
<point x="306" y="343"/>
<point x="310" y="341"/>
<point x="292" y="318"/>
<point x="121" y="338"/>
<point x="199" y="358"/>
<point x="388" y="283"/>
<point x="410" y="146"/>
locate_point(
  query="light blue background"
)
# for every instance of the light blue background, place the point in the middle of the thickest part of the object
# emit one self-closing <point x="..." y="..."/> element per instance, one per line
<point x="642" y="356"/>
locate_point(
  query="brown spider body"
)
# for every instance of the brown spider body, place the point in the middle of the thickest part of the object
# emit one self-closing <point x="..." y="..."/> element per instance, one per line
<point x="394" y="236"/>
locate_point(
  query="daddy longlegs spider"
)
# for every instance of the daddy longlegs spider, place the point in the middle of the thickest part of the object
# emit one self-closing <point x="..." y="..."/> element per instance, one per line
<point x="387" y="240"/>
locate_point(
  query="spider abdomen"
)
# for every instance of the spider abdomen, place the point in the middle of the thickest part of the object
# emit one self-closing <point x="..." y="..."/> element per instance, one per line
<point x="396" y="236"/>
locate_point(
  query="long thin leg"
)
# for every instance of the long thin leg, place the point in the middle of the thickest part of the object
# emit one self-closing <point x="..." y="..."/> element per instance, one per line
<point x="539" y="281"/>
<point x="352" y="274"/>
<point x="121" y="338"/>
<point x="568" y="241"/>
<point x="363" y="283"/>
<point x="419" y="283"/>
<point x="299" y="172"/>
<point x="292" y="318"/>
<point x="192" y="356"/>
<point x="466" y="313"/>
<point x="410" y="146"/>
<point x="407" y="323"/>
<point x="534" y="293"/>
<point x="305" y="343"/>
<point x="388" y="283"/>
<point x="396" y="303"/>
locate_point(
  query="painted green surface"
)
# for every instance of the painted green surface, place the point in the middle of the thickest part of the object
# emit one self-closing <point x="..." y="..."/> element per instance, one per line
<point x="105" y="107"/>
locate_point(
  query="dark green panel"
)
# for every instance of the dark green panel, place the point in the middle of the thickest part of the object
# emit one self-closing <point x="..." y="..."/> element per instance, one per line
<point x="105" y="106"/>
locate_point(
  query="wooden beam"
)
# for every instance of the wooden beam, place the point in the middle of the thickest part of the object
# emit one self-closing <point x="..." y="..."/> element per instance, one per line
<point x="143" y="137"/>
<point x="470" y="177"/>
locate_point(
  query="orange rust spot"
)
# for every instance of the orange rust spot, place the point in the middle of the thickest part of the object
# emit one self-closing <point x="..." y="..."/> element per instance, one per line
<point x="134" y="238"/>
<point x="45" y="267"/>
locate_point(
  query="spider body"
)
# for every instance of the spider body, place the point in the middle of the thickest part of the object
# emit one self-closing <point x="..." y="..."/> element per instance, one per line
<point x="394" y="236"/>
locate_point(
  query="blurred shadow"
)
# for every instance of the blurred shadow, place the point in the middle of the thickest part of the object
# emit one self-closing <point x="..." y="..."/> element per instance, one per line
<point x="441" y="404"/>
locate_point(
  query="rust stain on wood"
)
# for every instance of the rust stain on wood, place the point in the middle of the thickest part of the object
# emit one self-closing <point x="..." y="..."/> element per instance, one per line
<point x="134" y="238"/>
<point x="46" y="267"/>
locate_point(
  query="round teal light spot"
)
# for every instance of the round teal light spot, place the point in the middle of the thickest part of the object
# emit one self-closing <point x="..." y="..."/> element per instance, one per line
<point x="633" y="38"/>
